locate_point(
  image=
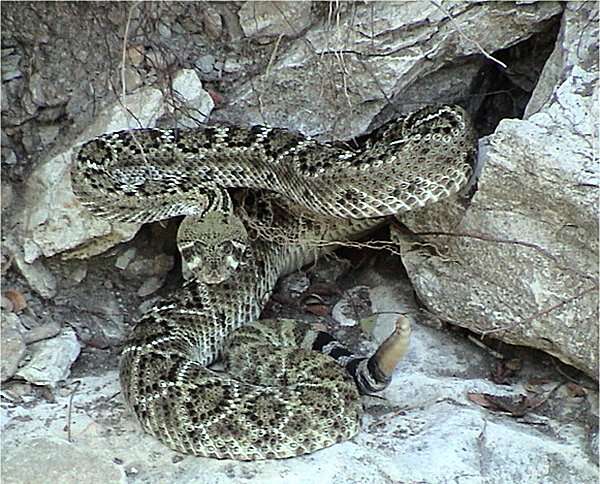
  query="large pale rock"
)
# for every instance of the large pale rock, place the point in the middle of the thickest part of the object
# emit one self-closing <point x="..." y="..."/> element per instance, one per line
<point x="522" y="263"/>
<point x="56" y="222"/>
<point x="575" y="46"/>
<point x="274" y="18"/>
<point x="12" y="345"/>
<point x="51" y="359"/>
<point x="358" y="57"/>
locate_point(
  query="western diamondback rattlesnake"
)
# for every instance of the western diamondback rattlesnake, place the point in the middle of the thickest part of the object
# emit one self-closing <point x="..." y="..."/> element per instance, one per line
<point x="290" y="400"/>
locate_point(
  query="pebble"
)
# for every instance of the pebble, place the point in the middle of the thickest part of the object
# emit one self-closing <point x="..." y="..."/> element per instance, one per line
<point x="78" y="274"/>
<point x="150" y="286"/>
<point x="125" y="258"/>
<point x="295" y="284"/>
<point x="353" y="306"/>
<point x="206" y="63"/>
<point x="213" y="23"/>
<point x="10" y="65"/>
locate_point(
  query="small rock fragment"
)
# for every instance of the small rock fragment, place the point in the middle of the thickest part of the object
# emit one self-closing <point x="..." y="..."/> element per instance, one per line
<point x="295" y="284"/>
<point x="353" y="306"/>
<point x="10" y="65"/>
<point x="213" y="23"/>
<point x="38" y="276"/>
<point x="15" y="391"/>
<point x="150" y="285"/>
<point x="162" y="264"/>
<point x="6" y="304"/>
<point x="77" y="274"/>
<point x="206" y="63"/>
<point x="197" y="101"/>
<point x="125" y="258"/>
<point x="45" y="331"/>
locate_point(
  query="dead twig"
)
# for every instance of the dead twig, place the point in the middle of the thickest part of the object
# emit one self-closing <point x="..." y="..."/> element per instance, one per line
<point x="124" y="50"/>
<point x="494" y="353"/>
<point x="273" y="57"/>
<point x="124" y="81"/>
<point x="487" y="238"/>
<point x="466" y="37"/>
<point x="69" y="411"/>
<point x="539" y="314"/>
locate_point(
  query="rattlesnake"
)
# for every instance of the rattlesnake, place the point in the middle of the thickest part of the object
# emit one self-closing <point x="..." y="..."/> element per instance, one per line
<point x="291" y="400"/>
<point x="152" y="174"/>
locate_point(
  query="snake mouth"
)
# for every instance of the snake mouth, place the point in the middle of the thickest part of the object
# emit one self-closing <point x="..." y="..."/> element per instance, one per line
<point x="214" y="280"/>
<point x="214" y="277"/>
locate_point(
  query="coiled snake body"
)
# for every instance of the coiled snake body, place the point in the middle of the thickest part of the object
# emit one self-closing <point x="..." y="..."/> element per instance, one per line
<point x="279" y="397"/>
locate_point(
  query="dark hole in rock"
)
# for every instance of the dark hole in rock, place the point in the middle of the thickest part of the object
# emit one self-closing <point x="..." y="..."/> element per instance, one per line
<point x="499" y="93"/>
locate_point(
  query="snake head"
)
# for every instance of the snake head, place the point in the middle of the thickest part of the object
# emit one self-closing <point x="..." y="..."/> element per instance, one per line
<point x="212" y="246"/>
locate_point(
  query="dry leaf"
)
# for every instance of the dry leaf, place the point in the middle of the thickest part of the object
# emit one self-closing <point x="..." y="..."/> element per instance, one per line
<point x="481" y="400"/>
<point x="17" y="300"/>
<point x="516" y="405"/>
<point x="216" y="97"/>
<point x="576" y="390"/>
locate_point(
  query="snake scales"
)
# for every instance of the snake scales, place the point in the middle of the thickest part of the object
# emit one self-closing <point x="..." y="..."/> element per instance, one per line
<point x="279" y="397"/>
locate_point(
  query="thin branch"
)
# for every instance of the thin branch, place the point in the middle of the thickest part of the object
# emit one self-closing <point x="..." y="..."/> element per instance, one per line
<point x="487" y="238"/>
<point x="539" y="314"/>
<point x="124" y="82"/>
<point x="77" y="383"/>
<point x="273" y="56"/>
<point x="465" y="36"/>
<point x="124" y="51"/>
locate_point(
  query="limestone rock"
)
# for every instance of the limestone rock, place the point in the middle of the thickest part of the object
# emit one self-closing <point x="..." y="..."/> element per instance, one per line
<point x="12" y="346"/>
<point x="125" y="258"/>
<point x="357" y="57"/>
<point x="10" y="65"/>
<point x="522" y="264"/>
<point x="52" y="359"/>
<point x="39" y="333"/>
<point x="197" y="103"/>
<point x="56" y="222"/>
<point x="274" y="18"/>
<point x="150" y="285"/>
<point x="353" y="305"/>
<point x="37" y="275"/>
<point x="43" y="460"/>
<point x="575" y="46"/>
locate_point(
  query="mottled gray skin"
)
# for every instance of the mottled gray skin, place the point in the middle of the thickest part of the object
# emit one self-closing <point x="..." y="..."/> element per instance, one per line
<point x="152" y="174"/>
<point x="330" y="193"/>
